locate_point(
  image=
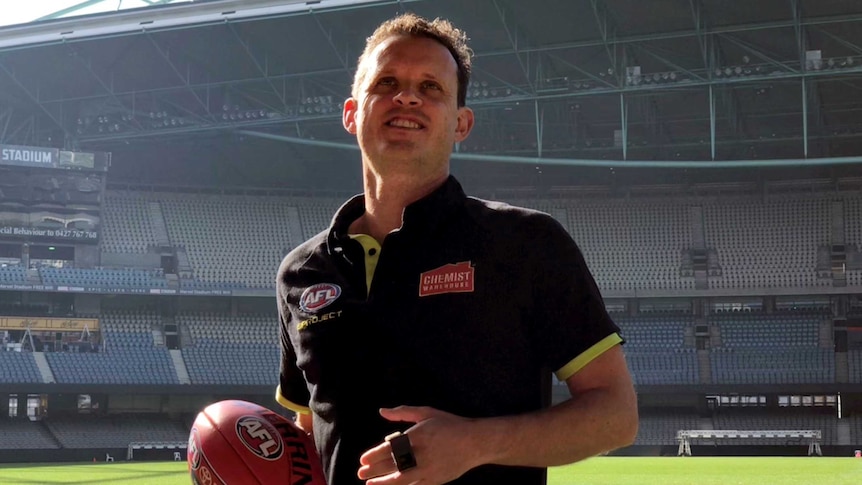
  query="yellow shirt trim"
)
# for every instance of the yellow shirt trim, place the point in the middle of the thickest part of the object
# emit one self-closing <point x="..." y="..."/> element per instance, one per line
<point x="297" y="408"/>
<point x="369" y="246"/>
<point x="587" y="356"/>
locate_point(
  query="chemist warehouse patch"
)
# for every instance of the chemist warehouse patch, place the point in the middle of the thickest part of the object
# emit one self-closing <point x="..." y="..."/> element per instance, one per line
<point x="449" y="278"/>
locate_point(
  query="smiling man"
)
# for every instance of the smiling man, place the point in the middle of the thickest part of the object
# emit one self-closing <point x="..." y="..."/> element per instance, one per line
<point x="420" y="331"/>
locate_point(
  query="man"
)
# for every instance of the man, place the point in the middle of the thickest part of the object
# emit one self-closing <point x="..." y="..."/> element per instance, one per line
<point x="419" y="331"/>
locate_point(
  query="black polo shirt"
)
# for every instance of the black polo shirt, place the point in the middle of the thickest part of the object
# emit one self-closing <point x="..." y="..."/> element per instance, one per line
<point x="472" y="304"/>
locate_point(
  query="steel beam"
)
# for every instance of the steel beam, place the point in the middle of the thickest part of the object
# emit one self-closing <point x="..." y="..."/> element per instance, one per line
<point x="810" y="97"/>
<point x="624" y="123"/>
<point x="804" y="119"/>
<point x="262" y="69"/>
<point x="28" y="126"/>
<point x="89" y="3"/>
<point x="758" y="53"/>
<point x="607" y="30"/>
<point x="108" y="88"/>
<point x="589" y="75"/>
<point x="725" y="104"/>
<point x="182" y="16"/>
<point x="515" y="37"/>
<point x="686" y="164"/>
<point x="184" y="78"/>
<point x="683" y="34"/>
<point x="540" y="127"/>
<point x="34" y="97"/>
<point x="292" y="9"/>
<point x="505" y="83"/>
<point x="5" y="119"/>
<point x="712" y="122"/>
<point x="701" y="82"/>
<point x="701" y="30"/>
<point x="71" y="9"/>
<point x="796" y="9"/>
<point x="233" y="83"/>
<point x="668" y="62"/>
<point x="856" y="48"/>
<point x="342" y="59"/>
<point x="801" y="44"/>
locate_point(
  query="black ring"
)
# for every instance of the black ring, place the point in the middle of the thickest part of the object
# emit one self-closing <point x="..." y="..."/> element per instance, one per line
<point x="401" y="451"/>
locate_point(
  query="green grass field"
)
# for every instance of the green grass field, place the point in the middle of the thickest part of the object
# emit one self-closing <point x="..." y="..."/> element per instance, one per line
<point x="596" y="471"/>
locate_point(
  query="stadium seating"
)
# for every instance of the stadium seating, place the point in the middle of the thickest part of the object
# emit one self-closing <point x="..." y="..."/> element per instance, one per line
<point x="853" y="220"/>
<point x="660" y="427"/>
<point x="18" y="367"/>
<point x="633" y="245"/>
<point x="739" y="330"/>
<point x="856" y="429"/>
<point x="786" y="419"/>
<point x="231" y="349"/>
<point x="84" y="431"/>
<point x="767" y="244"/>
<point x="23" y="434"/>
<point x="232" y="239"/>
<point x="315" y="214"/>
<point x="656" y="351"/>
<point x="119" y="278"/>
<point x="126" y="226"/>
<point x="237" y="241"/>
<point x="128" y="356"/>
<point x="771" y="349"/>
<point x="13" y="275"/>
<point x="854" y="360"/>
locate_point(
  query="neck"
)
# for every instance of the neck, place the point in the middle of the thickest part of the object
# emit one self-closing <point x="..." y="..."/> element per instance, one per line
<point x="385" y="201"/>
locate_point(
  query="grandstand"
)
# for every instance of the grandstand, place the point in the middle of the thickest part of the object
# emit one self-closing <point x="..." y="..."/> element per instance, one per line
<point x="137" y="271"/>
<point x="783" y="340"/>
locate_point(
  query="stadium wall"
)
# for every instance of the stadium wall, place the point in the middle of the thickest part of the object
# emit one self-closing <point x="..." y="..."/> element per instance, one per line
<point x="62" y="455"/>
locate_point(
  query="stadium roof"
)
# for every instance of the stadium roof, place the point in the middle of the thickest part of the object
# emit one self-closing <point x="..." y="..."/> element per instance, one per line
<point x="555" y="81"/>
<point x="24" y="11"/>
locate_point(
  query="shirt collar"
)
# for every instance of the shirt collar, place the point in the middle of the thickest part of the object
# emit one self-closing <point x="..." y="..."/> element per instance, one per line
<point x="424" y="214"/>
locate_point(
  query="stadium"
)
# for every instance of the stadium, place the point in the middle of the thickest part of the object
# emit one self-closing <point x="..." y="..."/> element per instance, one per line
<point x="159" y="158"/>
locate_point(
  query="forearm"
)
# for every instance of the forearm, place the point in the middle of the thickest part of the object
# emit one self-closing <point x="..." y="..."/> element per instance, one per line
<point x="593" y="422"/>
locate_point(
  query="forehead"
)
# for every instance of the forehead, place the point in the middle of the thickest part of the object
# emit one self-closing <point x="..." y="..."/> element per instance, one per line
<point x="411" y="52"/>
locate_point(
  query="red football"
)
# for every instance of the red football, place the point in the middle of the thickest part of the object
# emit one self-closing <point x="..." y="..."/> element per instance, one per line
<point x="238" y="442"/>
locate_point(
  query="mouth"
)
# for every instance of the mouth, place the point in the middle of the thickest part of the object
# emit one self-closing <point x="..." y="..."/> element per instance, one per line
<point x="405" y="123"/>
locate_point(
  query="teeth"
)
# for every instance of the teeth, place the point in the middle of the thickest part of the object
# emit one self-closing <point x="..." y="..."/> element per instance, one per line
<point x="404" y="124"/>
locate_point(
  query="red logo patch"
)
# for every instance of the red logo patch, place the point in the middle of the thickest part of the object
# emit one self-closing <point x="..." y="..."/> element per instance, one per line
<point x="260" y="437"/>
<point x="449" y="278"/>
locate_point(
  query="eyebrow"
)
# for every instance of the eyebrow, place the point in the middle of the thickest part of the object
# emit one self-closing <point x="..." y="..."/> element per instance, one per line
<point x="389" y="72"/>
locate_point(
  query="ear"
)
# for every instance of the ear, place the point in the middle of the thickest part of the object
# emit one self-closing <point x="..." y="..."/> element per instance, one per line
<point x="348" y="115"/>
<point x="465" y="124"/>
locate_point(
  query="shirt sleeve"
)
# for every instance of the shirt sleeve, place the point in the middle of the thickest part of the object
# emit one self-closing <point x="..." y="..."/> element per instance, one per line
<point x="572" y="324"/>
<point x="292" y="391"/>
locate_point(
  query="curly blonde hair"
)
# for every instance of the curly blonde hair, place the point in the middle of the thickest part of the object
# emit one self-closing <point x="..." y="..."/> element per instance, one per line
<point x="441" y="30"/>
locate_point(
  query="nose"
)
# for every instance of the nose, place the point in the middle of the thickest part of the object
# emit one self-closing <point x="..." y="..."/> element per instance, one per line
<point x="407" y="97"/>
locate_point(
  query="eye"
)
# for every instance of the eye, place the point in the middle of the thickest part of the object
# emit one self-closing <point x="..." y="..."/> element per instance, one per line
<point x="386" y="81"/>
<point x="431" y="85"/>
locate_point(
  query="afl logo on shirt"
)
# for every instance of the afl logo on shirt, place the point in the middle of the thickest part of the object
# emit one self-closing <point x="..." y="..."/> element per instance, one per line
<point x="318" y="297"/>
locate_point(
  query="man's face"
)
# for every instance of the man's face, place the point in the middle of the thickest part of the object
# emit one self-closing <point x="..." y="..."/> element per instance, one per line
<point x="405" y="114"/>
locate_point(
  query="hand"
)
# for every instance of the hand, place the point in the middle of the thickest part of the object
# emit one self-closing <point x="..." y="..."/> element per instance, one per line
<point x="443" y="444"/>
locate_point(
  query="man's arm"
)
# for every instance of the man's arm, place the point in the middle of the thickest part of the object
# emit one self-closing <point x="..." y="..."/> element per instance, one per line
<point x="600" y="416"/>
